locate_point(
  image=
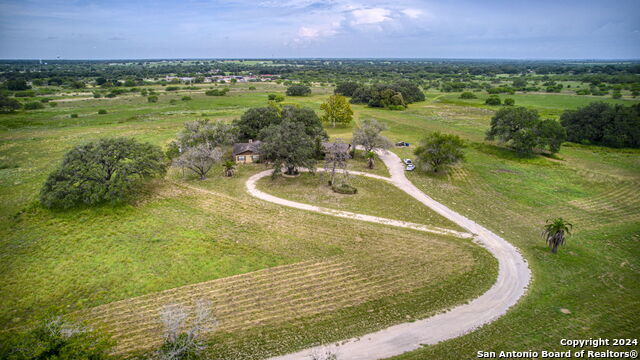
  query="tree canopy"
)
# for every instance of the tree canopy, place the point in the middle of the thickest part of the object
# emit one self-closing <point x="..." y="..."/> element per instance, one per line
<point x="337" y="110"/>
<point x="288" y="145"/>
<point x="254" y="120"/>
<point x="604" y="124"/>
<point x="107" y="170"/>
<point x="367" y="134"/>
<point x="522" y="130"/>
<point x="438" y="151"/>
<point x="298" y="90"/>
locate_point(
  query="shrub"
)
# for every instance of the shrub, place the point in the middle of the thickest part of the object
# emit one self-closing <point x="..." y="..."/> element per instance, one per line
<point x="186" y="98"/>
<point x="97" y="95"/>
<point x="493" y="100"/>
<point x="73" y="116"/>
<point x="276" y="97"/>
<point x="172" y="88"/>
<point x="344" y="189"/>
<point x="509" y="102"/>
<point x="252" y="87"/>
<point x="468" y="95"/>
<point x="53" y="104"/>
<point x="108" y="170"/>
<point x="111" y="95"/>
<point x="173" y="101"/>
<point x="152" y="99"/>
<point x="216" y="92"/>
<point x="34" y="105"/>
<point x="8" y="105"/>
<point x="25" y="93"/>
<point x="298" y="90"/>
<point x="102" y="111"/>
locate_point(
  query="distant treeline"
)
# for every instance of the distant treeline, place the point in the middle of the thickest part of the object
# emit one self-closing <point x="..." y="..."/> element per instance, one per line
<point x="327" y="70"/>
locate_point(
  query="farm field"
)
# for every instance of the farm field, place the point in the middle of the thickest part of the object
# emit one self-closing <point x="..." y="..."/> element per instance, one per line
<point x="117" y="266"/>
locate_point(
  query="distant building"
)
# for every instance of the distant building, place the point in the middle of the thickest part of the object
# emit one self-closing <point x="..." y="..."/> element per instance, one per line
<point x="248" y="152"/>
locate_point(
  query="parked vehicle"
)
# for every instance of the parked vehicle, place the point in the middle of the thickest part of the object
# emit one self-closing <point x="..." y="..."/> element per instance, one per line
<point x="407" y="161"/>
<point x="410" y="167"/>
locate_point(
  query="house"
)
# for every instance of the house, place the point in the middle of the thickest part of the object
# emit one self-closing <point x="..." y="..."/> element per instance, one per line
<point x="248" y="152"/>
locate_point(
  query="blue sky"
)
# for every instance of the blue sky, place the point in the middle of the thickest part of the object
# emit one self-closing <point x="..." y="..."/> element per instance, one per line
<point x="116" y="29"/>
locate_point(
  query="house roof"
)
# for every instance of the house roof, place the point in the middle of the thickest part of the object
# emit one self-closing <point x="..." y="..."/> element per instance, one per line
<point x="239" y="148"/>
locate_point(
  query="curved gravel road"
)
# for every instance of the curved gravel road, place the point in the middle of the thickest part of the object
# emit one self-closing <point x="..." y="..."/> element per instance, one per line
<point x="513" y="277"/>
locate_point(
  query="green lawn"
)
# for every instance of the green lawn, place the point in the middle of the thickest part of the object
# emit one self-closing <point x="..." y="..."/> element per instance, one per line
<point x="394" y="204"/>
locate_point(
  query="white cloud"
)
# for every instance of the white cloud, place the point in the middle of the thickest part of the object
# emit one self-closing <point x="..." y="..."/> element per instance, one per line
<point x="413" y="13"/>
<point x="370" y="16"/>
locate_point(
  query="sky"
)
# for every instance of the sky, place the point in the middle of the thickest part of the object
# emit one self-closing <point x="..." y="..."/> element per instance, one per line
<point x="148" y="29"/>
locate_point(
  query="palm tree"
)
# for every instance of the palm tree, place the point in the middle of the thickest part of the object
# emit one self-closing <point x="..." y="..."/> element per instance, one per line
<point x="370" y="157"/>
<point x="555" y="232"/>
<point x="229" y="166"/>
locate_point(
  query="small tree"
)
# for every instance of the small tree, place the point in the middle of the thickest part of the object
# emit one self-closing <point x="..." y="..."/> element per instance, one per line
<point x="367" y="134"/>
<point x="336" y="156"/>
<point x="287" y="145"/>
<point x="229" y="167"/>
<point x="438" y="151"/>
<point x="370" y="156"/>
<point x="298" y="90"/>
<point x="468" y="95"/>
<point x="337" y="110"/>
<point x="183" y="341"/>
<point x="107" y="170"/>
<point x="199" y="159"/>
<point x="509" y="102"/>
<point x="555" y="233"/>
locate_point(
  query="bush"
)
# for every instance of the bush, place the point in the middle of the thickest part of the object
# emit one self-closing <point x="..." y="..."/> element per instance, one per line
<point x="468" y="95"/>
<point x="24" y="93"/>
<point x="34" y="105"/>
<point x="252" y="87"/>
<point x="108" y="170"/>
<point x="509" y="102"/>
<point x="276" y="97"/>
<point x="216" y="92"/>
<point x="97" y="95"/>
<point x="102" y="112"/>
<point x="53" y="104"/>
<point x="8" y="105"/>
<point x="152" y="99"/>
<point x="172" y="88"/>
<point x="73" y="116"/>
<point x="344" y="189"/>
<point x="298" y="90"/>
<point x="493" y="100"/>
<point x="186" y="98"/>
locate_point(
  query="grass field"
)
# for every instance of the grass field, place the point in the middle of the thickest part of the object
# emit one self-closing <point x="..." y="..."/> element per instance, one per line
<point x="209" y="237"/>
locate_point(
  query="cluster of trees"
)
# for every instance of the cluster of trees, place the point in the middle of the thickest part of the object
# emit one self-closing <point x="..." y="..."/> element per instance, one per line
<point x="495" y="100"/>
<point x="600" y="123"/>
<point x="395" y="95"/>
<point x="523" y="130"/>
